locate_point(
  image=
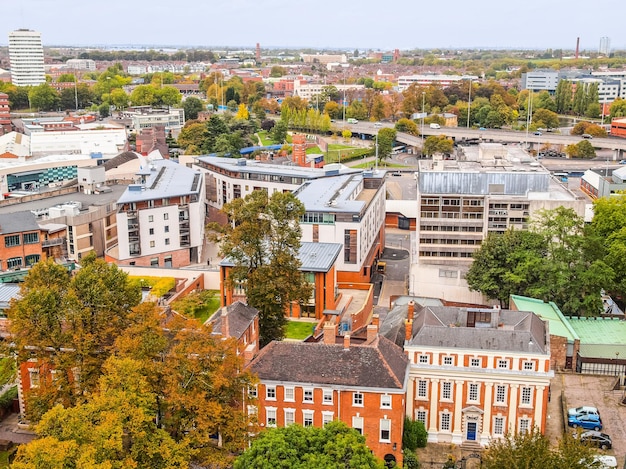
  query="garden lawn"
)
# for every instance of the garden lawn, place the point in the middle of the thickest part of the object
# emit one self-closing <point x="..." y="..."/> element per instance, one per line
<point x="299" y="330"/>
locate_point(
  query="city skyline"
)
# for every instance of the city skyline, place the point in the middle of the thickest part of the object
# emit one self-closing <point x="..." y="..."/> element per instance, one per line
<point x="320" y="24"/>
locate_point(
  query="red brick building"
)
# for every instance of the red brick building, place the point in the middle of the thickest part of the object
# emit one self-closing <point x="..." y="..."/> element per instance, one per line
<point x="20" y="241"/>
<point x="311" y="384"/>
<point x="241" y="322"/>
<point x="318" y="266"/>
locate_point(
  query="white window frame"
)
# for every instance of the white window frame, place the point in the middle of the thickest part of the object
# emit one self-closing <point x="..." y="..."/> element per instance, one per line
<point x="270" y="393"/>
<point x="446" y="390"/>
<point x="270" y="414"/>
<point x="290" y="417"/>
<point x="473" y="392"/>
<point x="503" y="364"/>
<point x="526" y="396"/>
<point x="529" y="366"/>
<point x="385" y="401"/>
<point x="524" y="425"/>
<point x="307" y="395"/>
<point x="252" y="410"/>
<point x="253" y="392"/>
<point x="475" y="362"/>
<point x="448" y="360"/>
<point x="34" y="377"/>
<point x="357" y="423"/>
<point x="306" y="416"/>
<point x="422" y="416"/>
<point x="327" y="396"/>
<point x="358" y="399"/>
<point x="422" y="389"/>
<point x="327" y="417"/>
<point x="498" y="425"/>
<point x="385" y="426"/>
<point x="500" y="387"/>
<point x="445" y="420"/>
<point x="290" y="394"/>
<point x="423" y="360"/>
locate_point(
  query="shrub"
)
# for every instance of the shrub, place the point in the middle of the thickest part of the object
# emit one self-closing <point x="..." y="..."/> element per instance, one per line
<point x="414" y="436"/>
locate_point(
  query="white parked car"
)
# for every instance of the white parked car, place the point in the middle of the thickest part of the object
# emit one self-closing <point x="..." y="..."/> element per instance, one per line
<point x="583" y="410"/>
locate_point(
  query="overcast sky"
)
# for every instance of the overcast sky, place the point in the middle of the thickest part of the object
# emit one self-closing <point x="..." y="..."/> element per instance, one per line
<point x="362" y="24"/>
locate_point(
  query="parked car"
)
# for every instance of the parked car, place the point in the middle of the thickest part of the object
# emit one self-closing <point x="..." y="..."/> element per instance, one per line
<point x="583" y="410"/>
<point x="538" y="133"/>
<point x="587" y="136"/>
<point x="589" y="422"/>
<point x="602" y="461"/>
<point x="622" y="162"/>
<point x="598" y="439"/>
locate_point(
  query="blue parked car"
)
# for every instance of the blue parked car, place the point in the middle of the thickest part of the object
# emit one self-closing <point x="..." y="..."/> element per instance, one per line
<point x="589" y="422"/>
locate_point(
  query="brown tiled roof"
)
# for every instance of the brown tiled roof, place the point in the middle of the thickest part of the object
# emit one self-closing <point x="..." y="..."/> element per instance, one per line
<point x="380" y="364"/>
<point x="119" y="160"/>
<point x="240" y="316"/>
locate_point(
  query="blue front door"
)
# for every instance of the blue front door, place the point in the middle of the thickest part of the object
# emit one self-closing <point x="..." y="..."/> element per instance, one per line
<point x="471" y="431"/>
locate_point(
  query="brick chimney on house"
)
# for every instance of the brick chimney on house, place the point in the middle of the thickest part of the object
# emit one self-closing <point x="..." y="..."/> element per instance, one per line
<point x="372" y="333"/>
<point x="346" y="341"/>
<point x="225" y="331"/>
<point x="410" y="310"/>
<point x="408" y="329"/>
<point x="330" y="332"/>
<point x="375" y="319"/>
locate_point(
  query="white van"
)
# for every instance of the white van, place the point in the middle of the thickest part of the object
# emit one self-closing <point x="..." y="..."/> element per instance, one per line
<point x="435" y="126"/>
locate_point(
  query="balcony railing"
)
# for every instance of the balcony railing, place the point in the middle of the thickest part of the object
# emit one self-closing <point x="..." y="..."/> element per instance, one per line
<point x="53" y="242"/>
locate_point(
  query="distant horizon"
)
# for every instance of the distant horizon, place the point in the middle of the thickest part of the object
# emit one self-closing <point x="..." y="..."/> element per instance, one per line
<point x="341" y="49"/>
<point x="318" y="24"/>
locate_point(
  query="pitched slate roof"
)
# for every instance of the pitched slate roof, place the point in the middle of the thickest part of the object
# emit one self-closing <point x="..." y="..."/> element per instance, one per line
<point x="18" y="222"/>
<point x="516" y="331"/>
<point x="240" y="316"/>
<point x="380" y="364"/>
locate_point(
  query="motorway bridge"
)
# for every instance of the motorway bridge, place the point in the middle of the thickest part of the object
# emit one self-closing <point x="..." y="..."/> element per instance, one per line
<point x="617" y="145"/>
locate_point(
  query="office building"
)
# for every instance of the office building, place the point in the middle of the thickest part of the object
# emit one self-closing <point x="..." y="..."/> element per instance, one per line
<point x="26" y="58"/>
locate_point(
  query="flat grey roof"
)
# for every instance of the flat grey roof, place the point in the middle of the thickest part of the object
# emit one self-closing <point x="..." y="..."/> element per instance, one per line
<point x="165" y="179"/>
<point x="332" y="194"/>
<point x="85" y="199"/>
<point x="315" y="257"/>
<point x="259" y="167"/>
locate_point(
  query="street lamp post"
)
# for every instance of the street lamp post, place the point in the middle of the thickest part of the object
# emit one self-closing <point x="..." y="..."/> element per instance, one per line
<point x="76" y="90"/>
<point x="469" y="103"/>
<point x="376" y="159"/>
<point x="423" y="115"/>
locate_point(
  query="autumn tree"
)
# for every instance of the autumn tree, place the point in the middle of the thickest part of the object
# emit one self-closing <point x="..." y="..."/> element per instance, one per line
<point x="532" y="450"/>
<point x="262" y="242"/>
<point x="407" y="125"/>
<point x="437" y="144"/>
<point x="43" y="97"/>
<point x="69" y="324"/>
<point x="386" y="137"/>
<point x="116" y="429"/>
<point x="334" y="445"/>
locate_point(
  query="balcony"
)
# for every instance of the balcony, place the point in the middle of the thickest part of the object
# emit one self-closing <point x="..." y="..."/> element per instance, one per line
<point x="53" y="242"/>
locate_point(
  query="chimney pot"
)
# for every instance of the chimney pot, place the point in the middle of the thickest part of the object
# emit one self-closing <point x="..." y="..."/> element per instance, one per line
<point x="372" y="332"/>
<point x="411" y="310"/>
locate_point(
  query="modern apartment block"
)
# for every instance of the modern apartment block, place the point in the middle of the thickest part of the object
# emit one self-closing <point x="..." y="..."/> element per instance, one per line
<point x="160" y="220"/>
<point x="26" y="57"/>
<point x="431" y="79"/>
<point x="5" y="114"/>
<point x="362" y="384"/>
<point x="476" y="374"/>
<point x="540" y="80"/>
<point x="489" y="188"/>
<point x="348" y="210"/>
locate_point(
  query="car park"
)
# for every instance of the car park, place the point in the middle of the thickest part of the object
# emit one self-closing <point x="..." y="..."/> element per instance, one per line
<point x="583" y="410"/>
<point x="589" y="422"/>
<point x="594" y="438"/>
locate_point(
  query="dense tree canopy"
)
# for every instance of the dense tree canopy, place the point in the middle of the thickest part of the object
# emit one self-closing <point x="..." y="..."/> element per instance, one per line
<point x="70" y="323"/>
<point x="263" y="241"/>
<point x="553" y="261"/>
<point x="532" y="450"/>
<point x="335" y="446"/>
